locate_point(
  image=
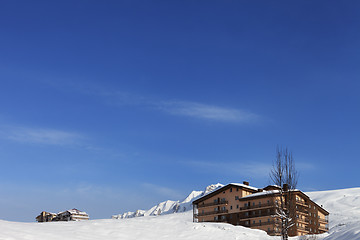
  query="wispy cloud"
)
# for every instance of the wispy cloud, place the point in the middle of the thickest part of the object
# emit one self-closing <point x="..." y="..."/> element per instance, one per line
<point x="178" y="107"/>
<point x="40" y="135"/>
<point x="205" y="111"/>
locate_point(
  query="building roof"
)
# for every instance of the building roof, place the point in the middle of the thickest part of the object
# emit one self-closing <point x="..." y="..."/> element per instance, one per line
<point x="261" y="194"/>
<point x="243" y="186"/>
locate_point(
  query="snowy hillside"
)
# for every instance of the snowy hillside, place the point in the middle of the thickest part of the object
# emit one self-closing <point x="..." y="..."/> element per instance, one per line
<point x="168" y="227"/>
<point x="343" y="205"/>
<point x="170" y="206"/>
<point x="344" y="208"/>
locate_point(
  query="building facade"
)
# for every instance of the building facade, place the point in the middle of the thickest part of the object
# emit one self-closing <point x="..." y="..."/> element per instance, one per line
<point x="45" y="216"/>
<point x="69" y="215"/>
<point x="241" y="204"/>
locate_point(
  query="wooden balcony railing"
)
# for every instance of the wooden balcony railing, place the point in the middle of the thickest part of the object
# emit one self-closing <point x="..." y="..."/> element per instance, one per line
<point x="261" y="224"/>
<point x="212" y="204"/>
<point x="212" y="213"/>
<point x="271" y="204"/>
<point x="323" y="220"/>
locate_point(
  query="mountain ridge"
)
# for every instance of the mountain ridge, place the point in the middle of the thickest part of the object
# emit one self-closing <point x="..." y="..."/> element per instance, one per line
<point x="169" y="206"/>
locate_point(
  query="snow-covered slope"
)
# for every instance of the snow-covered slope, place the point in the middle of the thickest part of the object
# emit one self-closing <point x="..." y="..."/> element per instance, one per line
<point x="344" y="208"/>
<point x="177" y="226"/>
<point x="343" y="205"/>
<point x="170" y="206"/>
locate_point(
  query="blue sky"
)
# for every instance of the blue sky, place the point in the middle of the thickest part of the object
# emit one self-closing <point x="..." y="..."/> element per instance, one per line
<point x="111" y="107"/>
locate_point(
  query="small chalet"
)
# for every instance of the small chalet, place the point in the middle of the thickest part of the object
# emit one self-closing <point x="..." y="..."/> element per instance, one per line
<point x="68" y="215"/>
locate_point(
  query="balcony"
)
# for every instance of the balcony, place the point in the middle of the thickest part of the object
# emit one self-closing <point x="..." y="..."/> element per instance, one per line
<point x="271" y="204"/>
<point x="261" y="224"/>
<point x="217" y="220"/>
<point x="211" y="213"/>
<point x="323" y="220"/>
<point x="212" y="204"/>
<point x="263" y="214"/>
<point x="303" y="203"/>
<point x="304" y="220"/>
<point x="302" y="228"/>
<point x="322" y="228"/>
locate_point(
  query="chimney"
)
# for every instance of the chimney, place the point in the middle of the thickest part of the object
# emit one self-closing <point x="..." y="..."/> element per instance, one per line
<point x="285" y="187"/>
<point x="246" y="183"/>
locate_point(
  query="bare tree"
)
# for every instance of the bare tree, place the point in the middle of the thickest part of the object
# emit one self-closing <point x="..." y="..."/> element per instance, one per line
<point x="284" y="175"/>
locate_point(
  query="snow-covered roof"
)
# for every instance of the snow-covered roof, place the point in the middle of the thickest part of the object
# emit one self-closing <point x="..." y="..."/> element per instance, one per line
<point x="73" y="211"/>
<point x="261" y="194"/>
<point x="245" y="186"/>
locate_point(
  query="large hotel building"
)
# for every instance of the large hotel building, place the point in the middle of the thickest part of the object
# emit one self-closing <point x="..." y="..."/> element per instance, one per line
<point x="241" y="204"/>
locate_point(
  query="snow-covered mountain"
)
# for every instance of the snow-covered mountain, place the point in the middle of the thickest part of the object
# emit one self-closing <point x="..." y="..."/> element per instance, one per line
<point x="169" y="206"/>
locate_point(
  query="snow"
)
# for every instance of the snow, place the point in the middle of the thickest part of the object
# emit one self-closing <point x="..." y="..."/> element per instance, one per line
<point x="343" y="205"/>
<point x="261" y="193"/>
<point x="344" y="208"/>
<point x="245" y="186"/>
<point x="177" y="226"/>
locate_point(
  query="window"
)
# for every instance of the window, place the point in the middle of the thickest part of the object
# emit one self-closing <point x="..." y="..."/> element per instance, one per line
<point x="216" y="218"/>
<point x="259" y="204"/>
<point x="236" y="197"/>
<point x="230" y="207"/>
<point x="237" y="206"/>
<point x="247" y="214"/>
<point x="254" y="222"/>
<point x="230" y="189"/>
<point x="237" y="189"/>
<point x="268" y="201"/>
<point x="253" y="203"/>
<point x="268" y="219"/>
